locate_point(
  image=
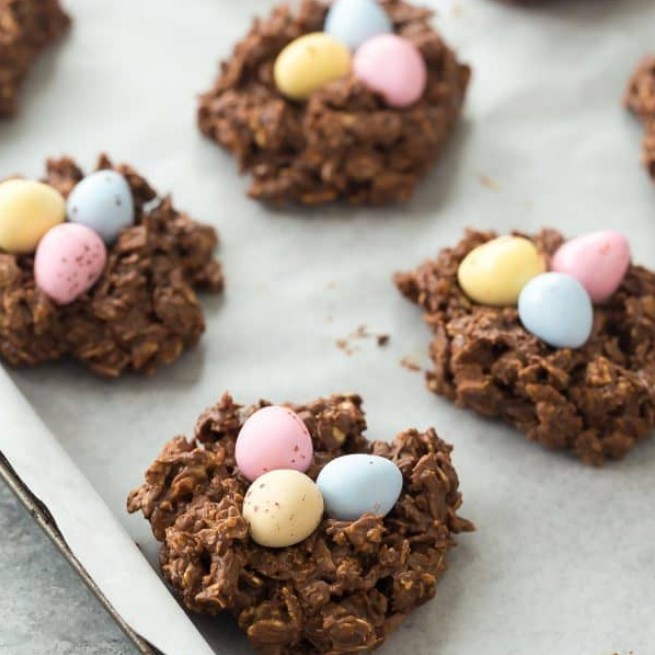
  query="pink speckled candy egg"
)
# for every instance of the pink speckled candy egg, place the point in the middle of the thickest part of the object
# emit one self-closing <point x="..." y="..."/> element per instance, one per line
<point x="69" y="260"/>
<point x="273" y="438"/>
<point x="393" y="67"/>
<point x="598" y="260"/>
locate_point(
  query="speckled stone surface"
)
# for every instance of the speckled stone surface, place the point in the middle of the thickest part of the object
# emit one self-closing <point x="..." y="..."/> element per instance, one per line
<point x="45" y="609"/>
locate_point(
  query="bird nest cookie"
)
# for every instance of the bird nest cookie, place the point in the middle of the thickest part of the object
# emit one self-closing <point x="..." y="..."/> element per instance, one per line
<point x="26" y="28"/>
<point x="573" y="367"/>
<point x="311" y="107"/>
<point x="260" y="547"/>
<point x="99" y="268"/>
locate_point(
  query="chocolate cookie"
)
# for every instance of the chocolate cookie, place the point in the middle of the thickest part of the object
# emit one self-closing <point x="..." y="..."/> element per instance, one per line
<point x="143" y="310"/>
<point x="26" y="27"/>
<point x="640" y="98"/>
<point x="344" y="142"/>
<point x="597" y="400"/>
<point x="341" y="590"/>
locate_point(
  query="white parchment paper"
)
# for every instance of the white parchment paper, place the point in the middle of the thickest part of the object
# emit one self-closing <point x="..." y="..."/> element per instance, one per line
<point x="563" y="560"/>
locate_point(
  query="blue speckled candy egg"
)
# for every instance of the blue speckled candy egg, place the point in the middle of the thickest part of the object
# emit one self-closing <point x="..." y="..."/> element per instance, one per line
<point x="556" y="308"/>
<point x="355" y="21"/>
<point x="102" y="201"/>
<point x="353" y="485"/>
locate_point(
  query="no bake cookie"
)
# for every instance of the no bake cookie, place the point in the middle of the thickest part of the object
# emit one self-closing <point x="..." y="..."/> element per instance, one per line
<point x="141" y="310"/>
<point x="344" y="141"/>
<point x="597" y="400"/>
<point x="344" y="588"/>
<point x="640" y="98"/>
<point x="26" y="28"/>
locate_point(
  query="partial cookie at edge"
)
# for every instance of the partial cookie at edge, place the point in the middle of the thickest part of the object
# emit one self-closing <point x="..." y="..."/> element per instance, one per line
<point x="640" y="98"/>
<point x="26" y="28"/>
<point x="142" y="313"/>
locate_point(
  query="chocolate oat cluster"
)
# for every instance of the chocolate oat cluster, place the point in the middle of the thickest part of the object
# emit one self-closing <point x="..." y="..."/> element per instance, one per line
<point x="360" y="137"/>
<point x="26" y="28"/>
<point x="640" y="98"/>
<point x="345" y="586"/>
<point x="595" y="397"/>
<point x="105" y="272"/>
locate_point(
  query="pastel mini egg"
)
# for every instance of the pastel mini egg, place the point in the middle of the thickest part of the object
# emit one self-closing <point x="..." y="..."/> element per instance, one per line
<point x="282" y="508"/>
<point x="69" y="261"/>
<point x="393" y="67"/>
<point x="28" y="209"/>
<point x="355" y="21"/>
<point x="556" y="308"/>
<point x="495" y="272"/>
<point x="309" y="63"/>
<point x="102" y="201"/>
<point x="353" y="485"/>
<point x="273" y="438"/>
<point x="598" y="260"/>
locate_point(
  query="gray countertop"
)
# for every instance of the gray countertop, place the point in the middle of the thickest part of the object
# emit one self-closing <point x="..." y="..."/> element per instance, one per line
<point x="45" y="609"/>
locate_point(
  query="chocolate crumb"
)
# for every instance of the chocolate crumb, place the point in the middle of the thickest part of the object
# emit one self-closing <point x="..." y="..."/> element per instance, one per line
<point x="488" y="183"/>
<point x="410" y="364"/>
<point x="343" y="344"/>
<point x="360" y="333"/>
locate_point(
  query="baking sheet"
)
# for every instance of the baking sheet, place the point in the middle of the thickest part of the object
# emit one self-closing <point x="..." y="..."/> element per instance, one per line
<point x="563" y="559"/>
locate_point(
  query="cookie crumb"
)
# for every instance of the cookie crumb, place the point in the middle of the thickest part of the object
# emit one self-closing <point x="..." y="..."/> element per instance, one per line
<point x="360" y="333"/>
<point x="410" y="364"/>
<point x="488" y="183"/>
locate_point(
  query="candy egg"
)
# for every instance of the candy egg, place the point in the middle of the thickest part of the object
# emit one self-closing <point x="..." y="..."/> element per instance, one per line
<point x="28" y="209"/>
<point x="556" y="308"/>
<point x="495" y="272"/>
<point x="273" y="438"/>
<point x="353" y="485"/>
<point x="310" y="62"/>
<point x="393" y="67"/>
<point x="69" y="260"/>
<point x="598" y="260"/>
<point x="102" y="201"/>
<point x="354" y="21"/>
<point x="282" y="508"/>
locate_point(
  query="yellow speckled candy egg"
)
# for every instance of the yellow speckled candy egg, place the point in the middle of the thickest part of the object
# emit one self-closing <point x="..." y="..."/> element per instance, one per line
<point x="282" y="507"/>
<point x="495" y="272"/>
<point x="28" y="209"/>
<point x="308" y="63"/>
